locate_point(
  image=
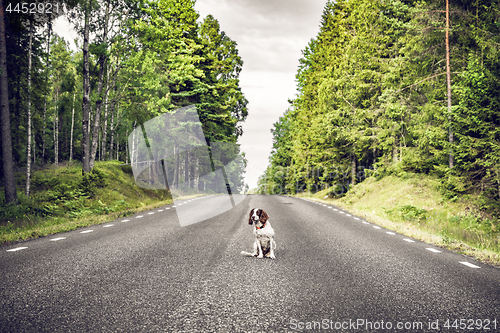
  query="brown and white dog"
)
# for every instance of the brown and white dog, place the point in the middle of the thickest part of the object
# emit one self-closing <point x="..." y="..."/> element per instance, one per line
<point x="264" y="235"/>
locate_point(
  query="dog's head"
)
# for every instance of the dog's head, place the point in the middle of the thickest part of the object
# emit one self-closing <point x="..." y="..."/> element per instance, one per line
<point x="257" y="215"/>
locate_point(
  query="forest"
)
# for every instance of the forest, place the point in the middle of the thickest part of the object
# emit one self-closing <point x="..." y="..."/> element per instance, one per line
<point x="395" y="87"/>
<point x="134" y="61"/>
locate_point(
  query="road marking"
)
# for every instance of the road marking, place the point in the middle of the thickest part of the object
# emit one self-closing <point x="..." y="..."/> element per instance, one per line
<point x="160" y="210"/>
<point x="138" y="217"/>
<point x="341" y="212"/>
<point x="324" y="205"/>
<point x="179" y="204"/>
<point x="125" y="220"/>
<point x="17" y="249"/>
<point x="377" y="227"/>
<point x="408" y="240"/>
<point x="107" y="225"/>
<point x="151" y="213"/>
<point x="356" y="218"/>
<point x="469" y="264"/>
<point x="335" y="209"/>
<point x="57" y="239"/>
<point x="330" y="207"/>
<point x="172" y="206"/>
<point x="167" y="208"/>
<point x="390" y="233"/>
<point x="87" y="231"/>
<point x="348" y="215"/>
<point x="365" y="222"/>
<point x="433" y="250"/>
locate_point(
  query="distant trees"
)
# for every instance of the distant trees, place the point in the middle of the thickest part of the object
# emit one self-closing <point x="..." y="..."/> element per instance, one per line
<point x="372" y="94"/>
<point x="136" y="60"/>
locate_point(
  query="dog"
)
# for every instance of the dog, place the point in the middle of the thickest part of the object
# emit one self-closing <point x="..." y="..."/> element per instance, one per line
<point x="264" y="245"/>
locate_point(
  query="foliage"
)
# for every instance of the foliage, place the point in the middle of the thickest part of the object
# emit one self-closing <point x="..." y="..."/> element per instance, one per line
<point x="372" y="96"/>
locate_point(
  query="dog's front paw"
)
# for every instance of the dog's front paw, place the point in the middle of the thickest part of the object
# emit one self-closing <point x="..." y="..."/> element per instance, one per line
<point x="260" y="256"/>
<point x="272" y="256"/>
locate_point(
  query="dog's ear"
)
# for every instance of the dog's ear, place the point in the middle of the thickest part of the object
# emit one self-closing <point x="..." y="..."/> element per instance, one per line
<point x="263" y="216"/>
<point x="250" y="217"/>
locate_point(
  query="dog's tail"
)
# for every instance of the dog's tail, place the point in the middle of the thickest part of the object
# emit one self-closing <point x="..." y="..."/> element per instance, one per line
<point x="247" y="254"/>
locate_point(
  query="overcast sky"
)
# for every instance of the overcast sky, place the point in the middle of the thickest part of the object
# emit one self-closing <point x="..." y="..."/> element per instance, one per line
<point x="270" y="35"/>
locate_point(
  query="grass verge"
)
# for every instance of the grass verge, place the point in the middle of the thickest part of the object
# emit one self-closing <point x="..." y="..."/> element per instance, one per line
<point x="62" y="200"/>
<point x="415" y="207"/>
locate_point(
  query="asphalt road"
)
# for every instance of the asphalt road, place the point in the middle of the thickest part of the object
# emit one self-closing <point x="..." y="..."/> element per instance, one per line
<point x="333" y="272"/>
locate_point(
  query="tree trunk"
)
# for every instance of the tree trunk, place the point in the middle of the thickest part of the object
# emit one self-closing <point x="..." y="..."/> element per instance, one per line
<point x="112" y="130"/>
<point x="353" y="169"/>
<point x="56" y="130"/>
<point x="28" y="150"/>
<point x="72" y="125"/>
<point x="105" y="124"/>
<point x="49" y="28"/>
<point x="86" y="93"/>
<point x="8" y="163"/>
<point x="448" y="83"/>
<point x="97" y="118"/>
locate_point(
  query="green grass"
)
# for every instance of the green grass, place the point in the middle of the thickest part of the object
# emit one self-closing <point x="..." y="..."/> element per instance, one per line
<point x="61" y="199"/>
<point x="415" y="206"/>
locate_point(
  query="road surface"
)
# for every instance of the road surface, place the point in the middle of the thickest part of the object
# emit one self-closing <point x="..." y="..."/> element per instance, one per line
<point x="333" y="272"/>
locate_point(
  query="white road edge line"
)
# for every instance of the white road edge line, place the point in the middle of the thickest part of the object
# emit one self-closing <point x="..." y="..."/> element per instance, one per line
<point x="151" y="213"/>
<point x="390" y="233"/>
<point x="17" y="249"/>
<point x="469" y="264"/>
<point x="433" y="250"/>
<point x="138" y="217"/>
<point x="57" y="239"/>
<point x="408" y="240"/>
<point x="107" y="225"/>
<point x="86" y="231"/>
<point x="356" y="218"/>
<point x="377" y="227"/>
<point x="125" y="220"/>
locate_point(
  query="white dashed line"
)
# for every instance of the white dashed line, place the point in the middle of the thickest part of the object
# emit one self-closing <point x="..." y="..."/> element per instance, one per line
<point x="335" y="209"/>
<point x="57" y="239"/>
<point x="341" y="212"/>
<point x="125" y="220"/>
<point x="348" y="215"/>
<point x="160" y="210"/>
<point x="468" y="264"/>
<point x="179" y="204"/>
<point x="151" y="213"/>
<point x="408" y="240"/>
<point x="356" y="218"/>
<point x="138" y="217"/>
<point x="390" y="233"/>
<point x="167" y="208"/>
<point x="365" y="222"/>
<point x="107" y="225"/>
<point x="87" y="231"/>
<point x="433" y="250"/>
<point x="17" y="249"/>
<point x="377" y="227"/>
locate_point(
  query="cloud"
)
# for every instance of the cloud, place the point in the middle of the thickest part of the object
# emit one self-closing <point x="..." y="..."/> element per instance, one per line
<point x="270" y="35"/>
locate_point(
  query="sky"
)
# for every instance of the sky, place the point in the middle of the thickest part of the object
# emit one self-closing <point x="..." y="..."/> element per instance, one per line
<point x="270" y="35"/>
